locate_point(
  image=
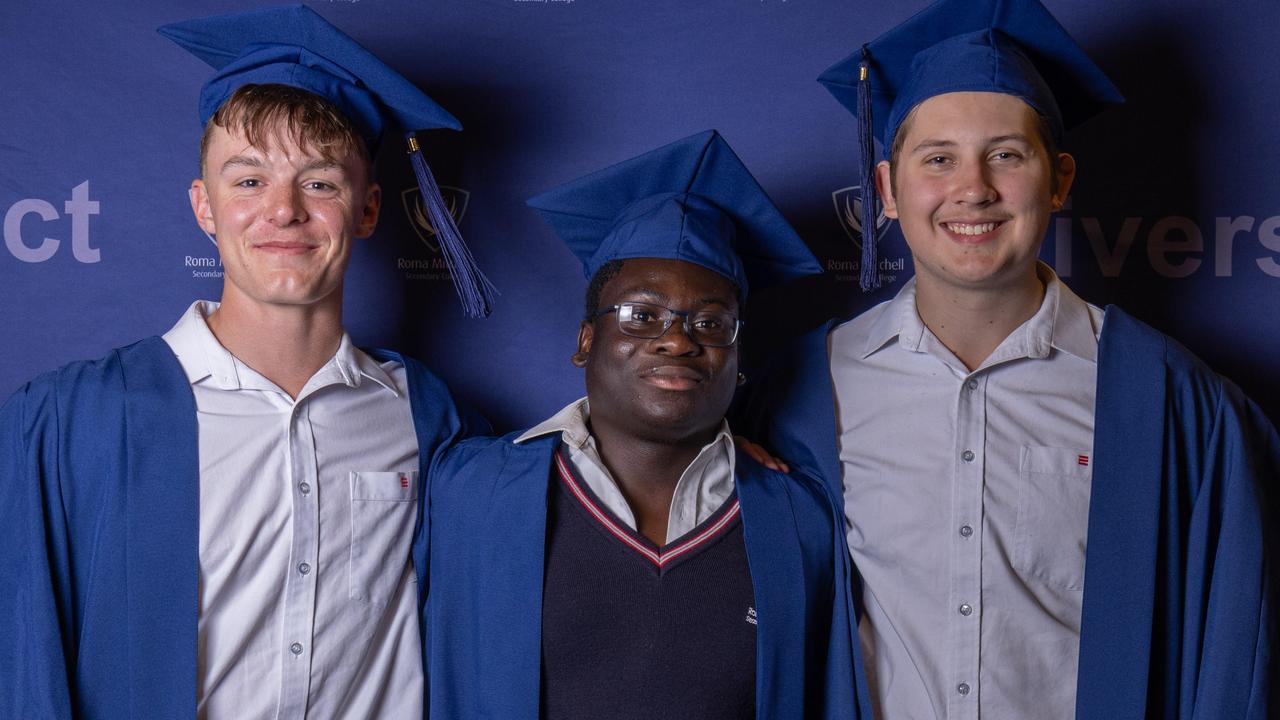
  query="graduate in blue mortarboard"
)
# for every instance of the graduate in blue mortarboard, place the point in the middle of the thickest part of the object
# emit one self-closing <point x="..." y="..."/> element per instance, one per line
<point x="223" y="522"/>
<point x="1053" y="510"/>
<point x="621" y="559"/>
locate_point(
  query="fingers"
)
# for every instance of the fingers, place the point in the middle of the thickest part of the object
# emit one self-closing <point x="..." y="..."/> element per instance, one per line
<point x="759" y="454"/>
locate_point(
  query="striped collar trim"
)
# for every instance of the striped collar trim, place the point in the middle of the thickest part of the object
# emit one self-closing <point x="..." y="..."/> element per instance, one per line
<point x="668" y="554"/>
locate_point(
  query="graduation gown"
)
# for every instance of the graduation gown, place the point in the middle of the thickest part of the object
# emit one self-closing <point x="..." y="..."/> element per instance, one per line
<point x="1180" y="606"/>
<point x="99" y="572"/>
<point x="488" y="516"/>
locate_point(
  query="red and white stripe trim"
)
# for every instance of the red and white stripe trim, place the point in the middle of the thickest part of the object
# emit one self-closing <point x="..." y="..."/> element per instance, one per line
<point x="624" y="534"/>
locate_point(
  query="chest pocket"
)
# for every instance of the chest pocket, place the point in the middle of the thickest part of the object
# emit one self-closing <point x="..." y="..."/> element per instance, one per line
<point x="1053" y="515"/>
<point x="383" y="512"/>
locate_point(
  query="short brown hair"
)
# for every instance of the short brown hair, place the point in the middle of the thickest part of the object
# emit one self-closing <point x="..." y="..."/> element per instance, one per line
<point x="256" y="111"/>
<point x="1042" y="125"/>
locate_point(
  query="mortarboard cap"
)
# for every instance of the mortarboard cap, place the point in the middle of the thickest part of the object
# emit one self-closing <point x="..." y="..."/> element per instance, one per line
<point x="692" y="200"/>
<point x="1012" y="47"/>
<point x="293" y="45"/>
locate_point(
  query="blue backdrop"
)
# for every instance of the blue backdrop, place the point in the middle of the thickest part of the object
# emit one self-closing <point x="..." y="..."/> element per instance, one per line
<point x="1175" y="213"/>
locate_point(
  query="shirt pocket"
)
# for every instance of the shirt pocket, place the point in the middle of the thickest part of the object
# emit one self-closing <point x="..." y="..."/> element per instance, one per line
<point x="383" y="512"/>
<point x="1053" y="515"/>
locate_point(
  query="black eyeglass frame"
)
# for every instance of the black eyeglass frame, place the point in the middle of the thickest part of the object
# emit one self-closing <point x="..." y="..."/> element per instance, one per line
<point x="667" y="320"/>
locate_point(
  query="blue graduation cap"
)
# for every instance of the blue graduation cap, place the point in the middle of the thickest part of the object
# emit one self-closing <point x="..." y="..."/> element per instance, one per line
<point x="1013" y="47"/>
<point x="692" y="200"/>
<point x="294" y="46"/>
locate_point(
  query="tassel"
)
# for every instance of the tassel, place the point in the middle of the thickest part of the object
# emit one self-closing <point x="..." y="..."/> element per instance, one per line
<point x="474" y="289"/>
<point x="869" y="279"/>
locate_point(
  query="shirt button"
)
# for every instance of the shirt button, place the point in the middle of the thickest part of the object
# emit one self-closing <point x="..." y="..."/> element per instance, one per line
<point x="972" y="384"/>
<point x="968" y="455"/>
<point x="304" y="568"/>
<point x="965" y="531"/>
<point x="304" y="488"/>
<point x="296" y="648"/>
<point x="966" y="610"/>
<point x="963" y="688"/>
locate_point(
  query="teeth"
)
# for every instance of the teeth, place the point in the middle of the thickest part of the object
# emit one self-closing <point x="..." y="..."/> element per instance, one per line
<point x="967" y="229"/>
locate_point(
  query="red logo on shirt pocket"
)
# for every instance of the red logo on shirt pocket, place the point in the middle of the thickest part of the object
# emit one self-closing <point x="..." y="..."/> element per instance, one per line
<point x="404" y="479"/>
<point x="1082" y="460"/>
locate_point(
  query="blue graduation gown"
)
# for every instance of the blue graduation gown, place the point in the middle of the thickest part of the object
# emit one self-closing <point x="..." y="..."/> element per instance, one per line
<point x="1180" y="605"/>
<point x="99" y="572"/>
<point x="488" y="515"/>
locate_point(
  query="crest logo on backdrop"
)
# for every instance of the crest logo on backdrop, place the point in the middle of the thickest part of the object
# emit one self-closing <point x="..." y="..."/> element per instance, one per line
<point x="848" y="204"/>
<point x="454" y="198"/>
<point x="435" y="267"/>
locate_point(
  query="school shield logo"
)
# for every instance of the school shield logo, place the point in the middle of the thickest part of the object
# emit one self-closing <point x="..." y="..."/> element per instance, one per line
<point x="848" y="203"/>
<point x="454" y="198"/>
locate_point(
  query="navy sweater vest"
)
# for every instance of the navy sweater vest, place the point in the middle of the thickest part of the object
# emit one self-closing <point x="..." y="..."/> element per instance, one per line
<point x="630" y="630"/>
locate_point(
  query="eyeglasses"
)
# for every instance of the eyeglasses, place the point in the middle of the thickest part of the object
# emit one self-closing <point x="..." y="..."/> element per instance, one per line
<point x="710" y="328"/>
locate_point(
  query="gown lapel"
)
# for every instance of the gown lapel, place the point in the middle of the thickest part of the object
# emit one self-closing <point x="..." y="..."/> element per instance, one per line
<point x="782" y="589"/>
<point x="509" y="599"/>
<point x="1124" y="525"/>
<point x="163" y="555"/>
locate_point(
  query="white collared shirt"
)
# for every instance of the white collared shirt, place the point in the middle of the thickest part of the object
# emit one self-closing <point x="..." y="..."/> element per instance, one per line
<point x="702" y="489"/>
<point x="967" y="499"/>
<point x="308" y="598"/>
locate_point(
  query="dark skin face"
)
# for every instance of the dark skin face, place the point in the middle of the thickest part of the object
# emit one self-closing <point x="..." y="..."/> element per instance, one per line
<point x="656" y="403"/>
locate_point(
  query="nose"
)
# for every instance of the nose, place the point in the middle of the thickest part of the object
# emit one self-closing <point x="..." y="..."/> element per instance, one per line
<point x="286" y="205"/>
<point x="676" y="340"/>
<point x="973" y="185"/>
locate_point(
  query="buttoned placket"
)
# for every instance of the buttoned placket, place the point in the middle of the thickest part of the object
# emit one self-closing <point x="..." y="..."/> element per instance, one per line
<point x="300" y="586"/>
<point x="965" y="591"/>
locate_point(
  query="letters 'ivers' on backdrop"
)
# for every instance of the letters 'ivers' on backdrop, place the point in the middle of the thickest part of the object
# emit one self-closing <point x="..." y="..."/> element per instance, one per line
<point x="1175" y="212"/>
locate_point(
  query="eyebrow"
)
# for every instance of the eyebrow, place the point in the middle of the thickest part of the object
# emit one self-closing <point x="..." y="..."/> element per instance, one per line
<point x="932" y="144"/>
<point x="657" y="298"/>
<point x="322" y="164"/>
<point x="255" y="162"/>
<point x="642" y="294"/>
<point x="241" y="161"/>
<point x="1013" y="137"/>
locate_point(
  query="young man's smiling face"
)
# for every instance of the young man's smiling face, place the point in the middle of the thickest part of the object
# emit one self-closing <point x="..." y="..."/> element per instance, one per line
<point x="284" y="216"/>
<point x="668" y="388"/>
<point x="973" y="190"/>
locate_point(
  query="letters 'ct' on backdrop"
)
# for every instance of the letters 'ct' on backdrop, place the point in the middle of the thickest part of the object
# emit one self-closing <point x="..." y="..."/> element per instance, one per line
<point x="1175" y="212"/>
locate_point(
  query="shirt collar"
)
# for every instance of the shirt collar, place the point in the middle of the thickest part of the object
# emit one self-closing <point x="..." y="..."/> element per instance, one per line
<point x="198" y="351"/>
<point x="1062" y="322"/>
<point x="203" y="358"/>
<point x="571" y="422"/>
<point x="1073" y="330"/>
<point x="898" y="320"/>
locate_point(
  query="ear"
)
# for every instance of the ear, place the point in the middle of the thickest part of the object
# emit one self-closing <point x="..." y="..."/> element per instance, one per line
<point x="586" y="332"/>
<point x="1065" y="173"/>
<point x="737" y="360"/>
<point x="201" y="207"/>
<point x="369" y="214"/>
<point x="884" y="186"/>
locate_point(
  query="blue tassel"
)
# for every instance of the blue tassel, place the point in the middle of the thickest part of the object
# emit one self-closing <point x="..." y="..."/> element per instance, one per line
<point x="869" y="279"/>
<point x="474" y="289"/>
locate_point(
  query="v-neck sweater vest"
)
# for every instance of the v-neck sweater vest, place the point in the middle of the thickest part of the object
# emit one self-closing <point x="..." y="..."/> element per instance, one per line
<point x="630" y="630"/>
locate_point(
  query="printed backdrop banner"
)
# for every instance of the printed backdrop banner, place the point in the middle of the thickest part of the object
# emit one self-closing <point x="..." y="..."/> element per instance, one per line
<point x="1175" y="213"/>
